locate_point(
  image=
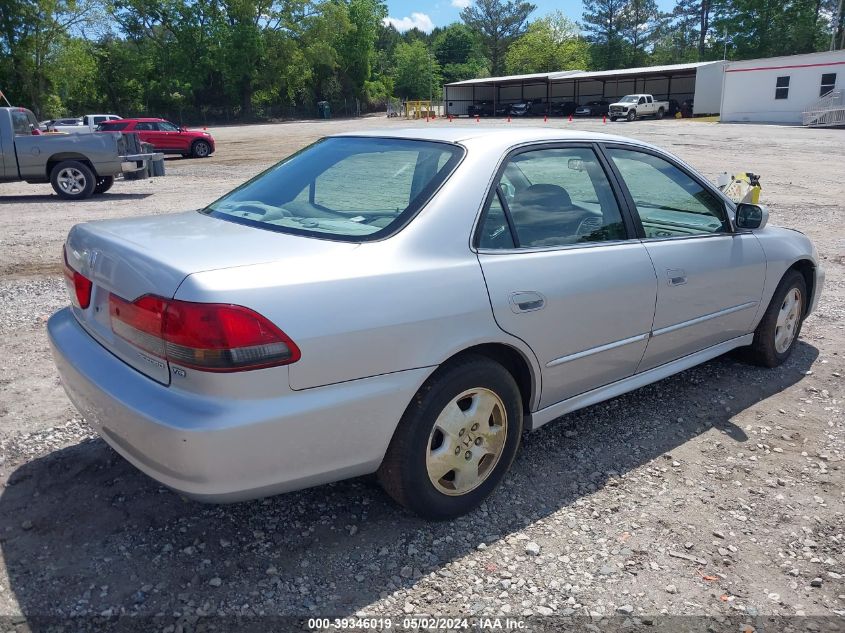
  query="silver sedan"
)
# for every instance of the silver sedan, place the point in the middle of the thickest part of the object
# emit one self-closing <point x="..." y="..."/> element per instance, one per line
<point x="408" y="303"/>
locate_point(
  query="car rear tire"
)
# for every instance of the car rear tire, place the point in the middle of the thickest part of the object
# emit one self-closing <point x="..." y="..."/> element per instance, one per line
<point x="660" y="113"/>
<point x="613" y="119"/>
<point x="104" y="184"/>
<point x="201" y="149"/>
<point x="73" y="180"/>
<point x="632" y="115"/>
<point x="455" y="441"/>
<point x="778" y="331"/>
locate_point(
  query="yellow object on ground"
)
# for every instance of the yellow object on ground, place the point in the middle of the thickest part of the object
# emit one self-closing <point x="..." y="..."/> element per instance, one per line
<point x="418" y="109"/>
<point x="741" y="187"/>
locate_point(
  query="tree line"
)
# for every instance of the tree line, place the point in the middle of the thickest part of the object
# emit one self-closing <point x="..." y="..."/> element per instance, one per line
<point x="219" y="60"/>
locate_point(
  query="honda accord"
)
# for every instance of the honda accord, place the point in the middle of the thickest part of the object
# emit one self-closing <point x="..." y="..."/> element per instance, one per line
<point x="407" y="303"/>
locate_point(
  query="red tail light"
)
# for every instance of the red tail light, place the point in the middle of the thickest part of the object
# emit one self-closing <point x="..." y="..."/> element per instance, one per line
<point x="78" y="286"/>
<point x="206" y="336"/>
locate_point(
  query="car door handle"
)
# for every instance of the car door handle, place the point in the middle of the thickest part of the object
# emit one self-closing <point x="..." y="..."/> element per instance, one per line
<point x="527" y="301"/>
<point x="677" y="277"/>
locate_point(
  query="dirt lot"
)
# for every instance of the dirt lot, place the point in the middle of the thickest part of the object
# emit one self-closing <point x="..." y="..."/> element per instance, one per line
<point x="717" y="492"/>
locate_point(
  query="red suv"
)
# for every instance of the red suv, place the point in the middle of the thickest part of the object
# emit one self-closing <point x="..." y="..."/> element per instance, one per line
<point x="165" y="136"/>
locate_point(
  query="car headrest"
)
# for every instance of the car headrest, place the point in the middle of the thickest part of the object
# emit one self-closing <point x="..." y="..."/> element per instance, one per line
<point x="543" y="196"/>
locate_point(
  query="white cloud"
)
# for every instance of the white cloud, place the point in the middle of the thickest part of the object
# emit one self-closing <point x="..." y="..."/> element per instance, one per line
<point x="461" y="4"/>
<point x="420" y="21"/>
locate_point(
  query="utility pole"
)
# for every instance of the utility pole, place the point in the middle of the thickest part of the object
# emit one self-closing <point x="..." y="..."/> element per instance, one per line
<point x="431" y="79"/>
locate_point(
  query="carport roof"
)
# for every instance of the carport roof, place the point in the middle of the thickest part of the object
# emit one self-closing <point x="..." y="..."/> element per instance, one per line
<point x="515" y="78"/>
<point x="582" y="74"/>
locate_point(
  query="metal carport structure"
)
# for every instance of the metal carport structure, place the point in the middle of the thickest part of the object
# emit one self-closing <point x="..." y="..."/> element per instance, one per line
<point x="701" y="81"/>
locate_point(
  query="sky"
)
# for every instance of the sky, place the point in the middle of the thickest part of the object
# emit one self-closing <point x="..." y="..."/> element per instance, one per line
<point x="406" y="14"/>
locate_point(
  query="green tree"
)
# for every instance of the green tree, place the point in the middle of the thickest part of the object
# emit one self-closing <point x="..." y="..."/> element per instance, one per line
<point x="603" y="24"/>
<point x="638" y="27"/>
<point x="551" y="43"/>
<point x="458" y="52"/>
<point x="357" y="47"/>
<point x="417" y="72"/>
<point x="33" y="37"/>
<point x="498" y="22"/>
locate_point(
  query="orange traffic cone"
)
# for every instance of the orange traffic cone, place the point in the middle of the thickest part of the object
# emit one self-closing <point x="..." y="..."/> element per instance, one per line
<point x="545" y="118"/>
<point x="604" y="119"/>
<point x="509" y="118"/>
<point x="426" y="119"/>
<point x="570" y="118"/>
<point x="450" y="118"/>
<point x="477" y="119"/>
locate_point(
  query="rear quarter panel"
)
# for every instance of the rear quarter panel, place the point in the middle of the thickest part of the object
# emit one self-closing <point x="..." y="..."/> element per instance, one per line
<point x="373" y="311"/>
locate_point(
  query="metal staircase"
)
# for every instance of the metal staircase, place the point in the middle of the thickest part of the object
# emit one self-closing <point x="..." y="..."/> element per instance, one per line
<point x="827" y="111"/>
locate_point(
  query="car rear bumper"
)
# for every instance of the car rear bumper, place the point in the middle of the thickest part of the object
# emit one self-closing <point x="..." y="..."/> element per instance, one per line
<point x="134" y="162"/>
<point x="225" y="449"/>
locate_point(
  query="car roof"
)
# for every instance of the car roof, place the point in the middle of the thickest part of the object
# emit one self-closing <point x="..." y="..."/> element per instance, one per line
<point x="137" y="120"/>
<point x="493" y="137"/>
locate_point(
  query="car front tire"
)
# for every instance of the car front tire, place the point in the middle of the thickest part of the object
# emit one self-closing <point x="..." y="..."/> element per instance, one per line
<point x="613" y="119"/>
<point x="456" y="440"/>
<point x="73" y="180"/>
<point x="632" y="115"/>
<point x="778" y="331"/>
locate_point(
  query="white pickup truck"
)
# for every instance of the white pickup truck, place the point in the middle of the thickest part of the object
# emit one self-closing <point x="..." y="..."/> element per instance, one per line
<point x="87" y="123"/>
<point x="631" y="107"/>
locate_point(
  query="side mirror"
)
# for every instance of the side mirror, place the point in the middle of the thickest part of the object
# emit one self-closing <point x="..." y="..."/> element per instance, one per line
<point x="751" y="216"/>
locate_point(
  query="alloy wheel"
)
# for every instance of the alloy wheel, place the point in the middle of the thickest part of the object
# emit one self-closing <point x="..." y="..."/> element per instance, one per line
<point x="72" y="181"/>
<point x="467" y="441"/>
<point x="789" y="317"/>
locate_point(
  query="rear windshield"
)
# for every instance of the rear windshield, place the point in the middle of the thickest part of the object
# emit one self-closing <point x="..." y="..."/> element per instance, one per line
<point x="346" y="188"/>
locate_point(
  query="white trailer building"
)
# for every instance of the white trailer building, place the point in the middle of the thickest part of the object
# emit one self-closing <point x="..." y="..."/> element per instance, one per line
<point x="779" y="89"/>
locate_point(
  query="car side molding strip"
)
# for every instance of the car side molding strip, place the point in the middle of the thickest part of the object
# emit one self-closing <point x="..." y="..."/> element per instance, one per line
<point x="706" y="317"/>
<point x="597" y="350"/>
<point x="541" y="417"/>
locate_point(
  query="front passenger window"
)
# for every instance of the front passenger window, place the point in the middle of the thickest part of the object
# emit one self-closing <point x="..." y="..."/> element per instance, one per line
<point x="670" y="203"/>
<point x="555" y="197"/>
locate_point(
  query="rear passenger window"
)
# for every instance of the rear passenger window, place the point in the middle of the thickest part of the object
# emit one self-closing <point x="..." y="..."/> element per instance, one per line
<point x="555" y="197"/>
<point x="496" y="233"/>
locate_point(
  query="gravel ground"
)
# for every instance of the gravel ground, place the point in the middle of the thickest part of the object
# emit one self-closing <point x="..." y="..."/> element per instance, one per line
<point x="717" y="492"/>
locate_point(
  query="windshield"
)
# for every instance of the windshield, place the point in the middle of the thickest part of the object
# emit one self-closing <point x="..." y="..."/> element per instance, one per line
<point x="629" y="99"/>
<point x="348" y="188"/>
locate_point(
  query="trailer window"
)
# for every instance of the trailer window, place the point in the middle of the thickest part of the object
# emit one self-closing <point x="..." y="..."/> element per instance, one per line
<point x="828" y="83"/>
<point x="782" y="88"/>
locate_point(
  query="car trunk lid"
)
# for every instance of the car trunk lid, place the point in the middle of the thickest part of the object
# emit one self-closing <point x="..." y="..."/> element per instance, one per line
<point x="152" y="256"/>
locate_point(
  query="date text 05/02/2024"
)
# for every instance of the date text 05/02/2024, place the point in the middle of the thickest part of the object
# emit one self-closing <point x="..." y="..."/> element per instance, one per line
<point x="415" y="624"/>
